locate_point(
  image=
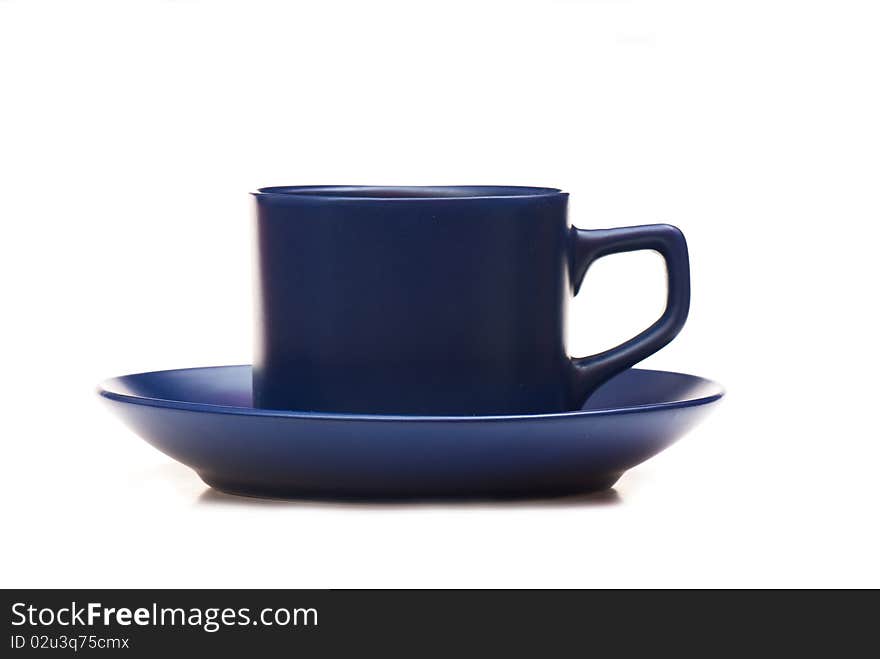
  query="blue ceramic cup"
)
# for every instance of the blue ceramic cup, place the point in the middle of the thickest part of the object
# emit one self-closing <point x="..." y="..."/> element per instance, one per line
<point x="435" y="300"/>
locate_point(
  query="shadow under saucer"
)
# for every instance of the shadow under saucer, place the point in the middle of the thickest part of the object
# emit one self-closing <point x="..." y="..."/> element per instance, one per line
<point x="609" y="497"/>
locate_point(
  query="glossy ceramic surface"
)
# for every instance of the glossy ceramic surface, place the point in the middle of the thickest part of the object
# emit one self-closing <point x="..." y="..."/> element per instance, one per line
<point x="204" y="418"/>
<point x="435" y="300"/>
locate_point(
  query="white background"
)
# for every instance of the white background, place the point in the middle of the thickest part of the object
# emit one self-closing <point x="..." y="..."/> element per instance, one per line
<point x="131" y="133"/>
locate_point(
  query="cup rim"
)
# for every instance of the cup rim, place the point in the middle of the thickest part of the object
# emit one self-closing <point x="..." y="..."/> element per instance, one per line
<point x="405" y="193"/>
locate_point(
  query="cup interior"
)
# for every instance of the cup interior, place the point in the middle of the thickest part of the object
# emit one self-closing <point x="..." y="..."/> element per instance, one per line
<point x="408" y="192"/>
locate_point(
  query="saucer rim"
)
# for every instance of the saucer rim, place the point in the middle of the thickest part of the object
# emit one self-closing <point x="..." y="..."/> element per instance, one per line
<point x="105" y="390"/>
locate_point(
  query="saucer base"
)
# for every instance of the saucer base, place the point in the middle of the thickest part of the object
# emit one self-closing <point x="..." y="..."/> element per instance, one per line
<point x="470" y="492"/>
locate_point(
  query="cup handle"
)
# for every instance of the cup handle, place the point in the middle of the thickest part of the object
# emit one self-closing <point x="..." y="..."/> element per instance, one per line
<point x="590" y="245"/>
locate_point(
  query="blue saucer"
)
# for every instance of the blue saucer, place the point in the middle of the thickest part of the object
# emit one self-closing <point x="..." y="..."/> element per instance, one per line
<point x="203" y="417"/>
